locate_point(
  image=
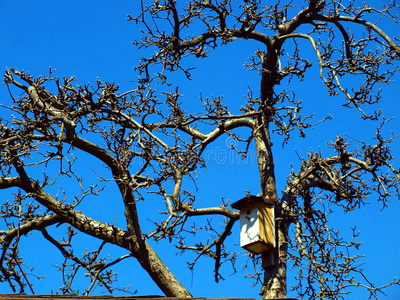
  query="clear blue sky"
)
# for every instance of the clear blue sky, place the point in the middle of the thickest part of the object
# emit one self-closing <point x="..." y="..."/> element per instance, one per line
<point x="91" y="39"/>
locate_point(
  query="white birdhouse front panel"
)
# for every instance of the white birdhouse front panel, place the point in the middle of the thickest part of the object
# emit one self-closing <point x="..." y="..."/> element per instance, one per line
<point x="249" y="224"/>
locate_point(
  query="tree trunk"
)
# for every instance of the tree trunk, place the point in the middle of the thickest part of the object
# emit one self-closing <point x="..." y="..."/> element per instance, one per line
<point x="144" y="253"/>
<point x="275" y="275"/>
<point x="160" y="274"/>
<point x="265" y="159"/>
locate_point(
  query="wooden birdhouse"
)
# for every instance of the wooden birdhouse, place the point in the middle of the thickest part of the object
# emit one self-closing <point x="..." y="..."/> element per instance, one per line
<point x="257" y="223"/>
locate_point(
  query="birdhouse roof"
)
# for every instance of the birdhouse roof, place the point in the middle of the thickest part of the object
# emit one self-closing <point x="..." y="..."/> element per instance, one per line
<point x="249" y="199"/>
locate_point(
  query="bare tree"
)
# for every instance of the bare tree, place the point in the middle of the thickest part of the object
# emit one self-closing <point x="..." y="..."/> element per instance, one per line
<point x="151" y="146"/>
